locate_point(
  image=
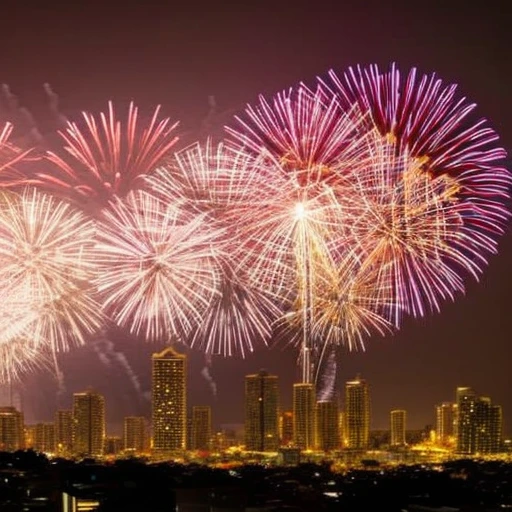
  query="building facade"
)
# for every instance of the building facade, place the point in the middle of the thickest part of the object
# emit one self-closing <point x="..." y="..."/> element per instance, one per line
<point x="446" y="423"/>
<point x="88" y="424"/>
<point x="169" y="400"/>
<point x="12" y="436"/>
<point x="261" y="412"/>
<point x="201" y="438"/>
<point x="357" y="414"/>
<point x="304" y="416"/>
<point x="327" y="426"/>
<point x="64" y="431"/>
<point x="135" y="434"/>
<point x="398" y="419"/>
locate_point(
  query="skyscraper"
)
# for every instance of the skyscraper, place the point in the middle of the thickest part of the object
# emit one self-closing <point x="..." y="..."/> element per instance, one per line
<point x="261" y="412"/>
<point x="446" y="419"/>
<point x="11" y="429"/>
<point x="304" y="400"/>
<point x="44" y="437"/>
<point x="88" y="423"/>
<point x="357" y="414"/>
<point x="286" y="428"/>
<point x="398" y="421"/>
<point x="135" y="434"/>
<point x="169" y="400"/>
<point x="201" y="427"/>
<point x="479" y="423"/>
<point x="64" y="431"/>
<point x="327" y="427"/>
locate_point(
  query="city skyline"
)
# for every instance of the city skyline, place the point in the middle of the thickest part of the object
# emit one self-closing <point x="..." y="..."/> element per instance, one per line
<point x="466" y="344"/>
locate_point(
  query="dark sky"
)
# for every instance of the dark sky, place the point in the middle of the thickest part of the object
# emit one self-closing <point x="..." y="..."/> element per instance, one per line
<point x="178" y="55"/>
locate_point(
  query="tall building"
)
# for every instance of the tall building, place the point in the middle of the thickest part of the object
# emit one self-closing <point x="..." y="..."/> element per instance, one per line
<point x="357" y="414"/>
<point x="398" y="422"/>
<point x="261" y="412"/>
<point x="88" y="423"/>
<point x="327" y="427"/>
<point x="286" y="428"/>
<point x="479" y="424"/>
<point x="64" y="431"/>
<point x="169" y="400"/>
<point x="12" y="436"/>
<point x="201" y="427"/>
<point x="446" y="420"/>
<point x="135" y="434"/>
<point x="304" y="400"/>
<point x="44" y="438"/>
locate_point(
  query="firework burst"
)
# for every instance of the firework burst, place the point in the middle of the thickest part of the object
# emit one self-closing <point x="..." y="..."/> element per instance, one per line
<point x="108" y="158"/>
<point x="157" y="266"/>
<point x="46" y="267"/>
<point x="10" y="156"/>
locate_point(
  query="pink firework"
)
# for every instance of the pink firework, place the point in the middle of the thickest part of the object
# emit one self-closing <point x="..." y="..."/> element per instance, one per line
<point x="108" y="157"/>
<point x="435" y="205"/>
<point x="10" y="157"/>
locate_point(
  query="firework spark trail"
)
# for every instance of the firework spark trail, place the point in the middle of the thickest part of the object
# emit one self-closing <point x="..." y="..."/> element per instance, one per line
<point x="310" y="148"/>
<point x="437" y="206"/>
<point x="216" y="181"/>
<point x="108" y="158"/>
<point x="10" y="156"/>
<point x="157" y="270"/>
<point x="46" y="266"/>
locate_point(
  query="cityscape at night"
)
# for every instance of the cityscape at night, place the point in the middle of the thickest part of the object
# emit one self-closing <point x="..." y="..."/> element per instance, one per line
<point x="255" y="257"/>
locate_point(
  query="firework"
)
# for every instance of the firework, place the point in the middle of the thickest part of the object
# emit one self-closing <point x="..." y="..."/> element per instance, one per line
<point x="434" y="202"/>
<point x="108" y="157"/>
<point x="217" y="182"/>
<point x="157" y="266"/>
<point x="46" y="267"/>
<point x="308" y="148"/>
<point x="10" y="156"/>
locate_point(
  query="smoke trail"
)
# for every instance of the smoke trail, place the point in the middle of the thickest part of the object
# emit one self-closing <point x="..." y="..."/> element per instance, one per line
<point x="205" y="372"/>
<point x="327" y="376"/>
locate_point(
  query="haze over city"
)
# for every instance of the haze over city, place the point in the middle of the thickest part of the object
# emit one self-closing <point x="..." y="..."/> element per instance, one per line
<point x="181" y="56"/>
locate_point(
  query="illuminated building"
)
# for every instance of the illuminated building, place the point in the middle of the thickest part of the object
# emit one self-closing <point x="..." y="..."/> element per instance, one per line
<point x="169" y="400"/>
<point x="479" y="424"/>
<point x="44" y="437"/>
<point x="88" y="423"/>
<point x="304" y="400"/>
<point x="11" y="429"/>
<point x="446" y="419"/>
<point x="113" y="445"/>
<point x="286" y="428"/>
<point x="201" y="427"/>
<point x="398" y="421"/>
<point x="64" y="431"/>
<point x="327" y="431"/>
<point x="261" y="412"/>
<point x="135" y="434"/>
<point x="357" y="414"/>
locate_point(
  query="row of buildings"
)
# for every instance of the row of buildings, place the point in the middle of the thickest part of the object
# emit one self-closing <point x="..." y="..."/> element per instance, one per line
<point x="469" y="425"/>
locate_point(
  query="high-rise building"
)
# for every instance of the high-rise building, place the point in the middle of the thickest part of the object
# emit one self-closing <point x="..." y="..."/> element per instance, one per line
<point x="261" y="412"/>
<point x="201" y="427"/>
<point x="479" y="423"/>
<point x="446" y="420"/>
<point x="169" y="400"/>
<point x="327" y="427"/>
<point x="88" y="423"/>
<point x="44" y="437"/>
<point x="304" y="400"/>
<point x="64" y="431"/>
<point x="11" y="429"/>
<point x="357" y="414"/>
<point x="135" y="434"/>
<point x="286" y="428"/>
<point x="398" y="422"/>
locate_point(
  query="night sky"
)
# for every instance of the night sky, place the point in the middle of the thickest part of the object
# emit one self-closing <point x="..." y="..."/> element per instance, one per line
<point x="178" y="55"/>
